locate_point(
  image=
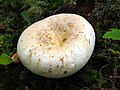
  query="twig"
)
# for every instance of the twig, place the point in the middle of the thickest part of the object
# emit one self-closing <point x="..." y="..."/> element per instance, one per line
<point x="115" y="77"/>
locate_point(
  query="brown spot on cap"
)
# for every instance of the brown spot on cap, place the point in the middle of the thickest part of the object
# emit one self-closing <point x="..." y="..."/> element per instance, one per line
<point x="64" y="39"/>
<point x="62" y="59"/>
<point x="49" y="48"/>
<point x="57" y="66"/>
<point x="50" y="70"/>
<point x="71" y="25"/>
<point x="65" y="30"/>
<point x="65" y="72"/>
<point x="30" y="54"/>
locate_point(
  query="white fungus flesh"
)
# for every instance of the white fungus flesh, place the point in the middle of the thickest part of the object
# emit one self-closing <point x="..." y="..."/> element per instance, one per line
<point x="57" y="46"/>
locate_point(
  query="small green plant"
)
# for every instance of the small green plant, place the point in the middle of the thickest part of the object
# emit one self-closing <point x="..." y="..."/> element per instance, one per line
<point x="5" y="59"/>
<point x="25" y="17"/>
<point x="114" y="34"/>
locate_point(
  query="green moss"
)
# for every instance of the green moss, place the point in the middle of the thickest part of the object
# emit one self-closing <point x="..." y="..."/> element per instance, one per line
<point x="39" y="9"/>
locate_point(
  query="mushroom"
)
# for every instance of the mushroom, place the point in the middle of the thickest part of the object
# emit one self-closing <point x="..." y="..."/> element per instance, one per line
<point x="57" y="46"/>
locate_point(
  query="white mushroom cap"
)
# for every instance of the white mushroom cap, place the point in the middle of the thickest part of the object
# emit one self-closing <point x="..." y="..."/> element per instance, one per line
<point x="57" y="46"/>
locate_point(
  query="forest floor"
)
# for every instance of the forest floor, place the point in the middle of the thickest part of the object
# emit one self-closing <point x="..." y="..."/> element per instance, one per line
<point x="102" y="72"/>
